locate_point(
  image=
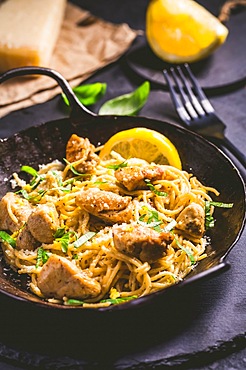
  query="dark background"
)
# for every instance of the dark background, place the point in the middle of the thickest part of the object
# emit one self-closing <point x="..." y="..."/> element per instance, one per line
<point x="209" y="329"/>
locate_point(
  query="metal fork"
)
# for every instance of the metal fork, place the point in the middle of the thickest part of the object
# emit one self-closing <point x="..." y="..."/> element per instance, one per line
<point x="195" y="110"/>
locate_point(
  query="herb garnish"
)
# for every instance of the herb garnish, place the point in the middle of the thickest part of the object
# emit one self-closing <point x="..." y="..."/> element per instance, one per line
<point x="7" y="238"/>
<point x="37" y="178"/>
<point x="63" y="237"/>
<point x="209" y="219"/>
<point x="83" y="239"/>
<point x="117" y="166"/>
<point x="154" y="190"/>
<point x="73" y="169"/>
<point x="42" y="257"/>
<point x="189" y="254"/>
<point x="151" y="218"/>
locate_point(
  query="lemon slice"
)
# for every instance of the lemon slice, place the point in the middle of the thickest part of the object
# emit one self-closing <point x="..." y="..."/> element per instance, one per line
<point x="181" y="31"/>
<point x="142" y="143"/>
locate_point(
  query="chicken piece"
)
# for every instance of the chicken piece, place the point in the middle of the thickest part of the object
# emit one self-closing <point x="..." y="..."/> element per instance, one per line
<point x="119" y="217"/>
<point x="20" y="208"/>
<point x="192" y="220"/>
<point x="95" y="201"/>
<point x="43" y="222"/>
<point x="106" y="205"/>
<point x="80" y="149"/>
<point x="133" y="177"/>
<point x="25" y="240"/>
<point x="60" y="278"/>
<point x="141" y="241"/>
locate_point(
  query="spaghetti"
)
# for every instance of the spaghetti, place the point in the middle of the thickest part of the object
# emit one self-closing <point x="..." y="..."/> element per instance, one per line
<point x="87" y="241"/>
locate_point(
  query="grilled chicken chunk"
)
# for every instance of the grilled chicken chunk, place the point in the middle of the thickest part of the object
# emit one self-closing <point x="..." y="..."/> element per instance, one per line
<point x="192" y="220"/>
<point x="106" y="205"/>
<point x="133" y="177"/>
<point x="25" y="240"/>
<point x="43" y="222"/>
<point x="20" y="208"/>
<point x="80" y="149"/>
<point x="61" y="278"/>
<point x="140" y="241"/>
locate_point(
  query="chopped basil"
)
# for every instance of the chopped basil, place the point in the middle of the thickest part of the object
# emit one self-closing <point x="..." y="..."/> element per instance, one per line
<point x="30" y="170"/>
<point x="118" y="300"/>
<point x="170" y="226"/>
<point x="37" y="178"/>
<point x="127" y="104"/>
<point x="7" y="238"/>
<point x="151" y="216"/>
<point x="189" y="254"/>
<point x="62" y="237"/>
<point x="74" y="302"/>
<point x="73" y="169"/>
<point x="42" y="257"/>
<point x="83" y="239"/>
<point x="209" y="219"/>
<point x="155" y="191"/>
<point x="33" y="198"/>
<point x="117" y="166"/>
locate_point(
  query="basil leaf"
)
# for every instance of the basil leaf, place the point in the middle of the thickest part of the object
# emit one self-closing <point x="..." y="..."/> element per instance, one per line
<point x="118" y="300"/>
<point x="155" y="191"/>
<point x="189" y="254"/>
<point x="74" y="302"/>
<point x="117" y="166"/>
<point x="127" y="104"/>
<point x="42" y="257"/>
<point x="83" y="239"/>
<point x="220" y="204"/>
<point x="30" y="170"/>
<point x="209" y="219"/>
<point x="7" y="238"/>
<point x="88" y="94"/>
<point x="62" y="237"/>
<point x="169" y="227"/>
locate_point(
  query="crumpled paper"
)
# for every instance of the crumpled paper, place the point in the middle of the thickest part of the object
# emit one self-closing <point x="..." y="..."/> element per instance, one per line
<point x="85" y="45"/>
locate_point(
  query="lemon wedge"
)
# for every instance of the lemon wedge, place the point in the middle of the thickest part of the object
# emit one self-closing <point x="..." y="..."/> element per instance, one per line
<point x="143" y="143"/>
<point x="180" y="31"/>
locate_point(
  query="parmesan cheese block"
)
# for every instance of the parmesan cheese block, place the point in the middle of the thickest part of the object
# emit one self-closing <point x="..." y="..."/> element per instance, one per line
<point x="28" y="31"/>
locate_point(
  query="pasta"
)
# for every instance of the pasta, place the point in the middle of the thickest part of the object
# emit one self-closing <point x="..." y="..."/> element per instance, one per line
<point x="88" y="241"/>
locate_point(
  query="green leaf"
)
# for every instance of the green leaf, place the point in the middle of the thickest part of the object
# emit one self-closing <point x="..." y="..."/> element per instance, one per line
<point x="154" y="190"/>
<point x="127" y="104"/>
<point x="29" y="170"/>
<point x="7" y="238"/>
<point x="209" y="219"/>
<point x="74" y="302"/>
<point x="62" y="237"/>
<point x="189" y="254"/>
<point x="83" y="239"/>
<point x="88" y="94"/>
<point x="117" y="166"/>
<point x="42" y="257"/>
<point x="118" y="300"/>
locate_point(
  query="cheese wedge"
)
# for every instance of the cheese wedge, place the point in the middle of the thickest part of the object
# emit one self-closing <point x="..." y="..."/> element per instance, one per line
<point x="28" y="31"/>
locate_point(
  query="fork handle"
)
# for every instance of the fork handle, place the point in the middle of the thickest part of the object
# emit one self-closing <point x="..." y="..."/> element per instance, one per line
<point x="234" y="150"/>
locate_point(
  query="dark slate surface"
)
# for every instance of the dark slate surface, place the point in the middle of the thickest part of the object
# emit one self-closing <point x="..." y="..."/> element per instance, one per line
<point x="209" y="329"/>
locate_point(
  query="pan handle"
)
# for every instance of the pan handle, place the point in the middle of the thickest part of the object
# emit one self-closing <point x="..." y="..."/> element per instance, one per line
<point x="78" y="110"/>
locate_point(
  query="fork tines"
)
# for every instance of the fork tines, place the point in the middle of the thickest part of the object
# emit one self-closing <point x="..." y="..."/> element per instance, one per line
<point x="188" y="97"/>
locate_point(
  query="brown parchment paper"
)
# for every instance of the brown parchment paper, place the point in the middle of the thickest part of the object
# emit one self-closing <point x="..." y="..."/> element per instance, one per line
<point x="85" y="45"/>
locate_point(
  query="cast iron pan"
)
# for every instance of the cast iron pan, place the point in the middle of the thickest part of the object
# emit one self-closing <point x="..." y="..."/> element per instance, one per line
<point x="41" y="144"/>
